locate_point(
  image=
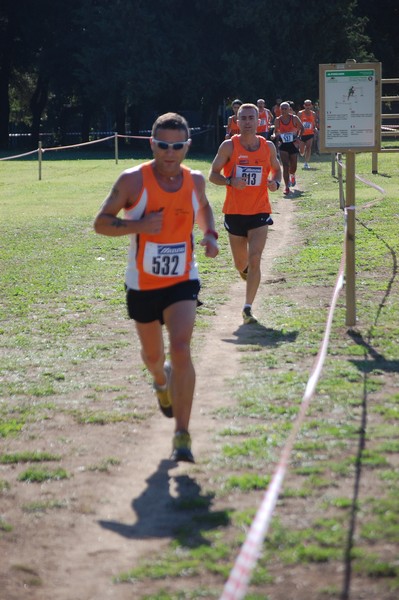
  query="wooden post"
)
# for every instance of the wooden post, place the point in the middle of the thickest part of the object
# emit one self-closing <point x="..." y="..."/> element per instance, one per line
<point x="40" y="155"/>
<point x="350" y="282"/>
<point x="332" y="164"/>
<point x="340" y="182"/>
<point x="116" y="148"/>
<point x="374" y="163"/>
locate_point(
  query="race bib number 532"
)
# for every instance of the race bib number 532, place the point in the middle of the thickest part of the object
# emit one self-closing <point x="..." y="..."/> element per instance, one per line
<point x="165" y="260"/>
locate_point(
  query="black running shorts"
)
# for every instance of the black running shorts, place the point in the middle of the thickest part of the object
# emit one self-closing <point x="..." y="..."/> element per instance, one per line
<point x="241" y="224"/>
<point x="288" y="147"/>
<point x="147" y="306"/>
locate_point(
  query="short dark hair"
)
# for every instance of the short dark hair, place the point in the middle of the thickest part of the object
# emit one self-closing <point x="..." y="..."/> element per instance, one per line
<point x="249" y="105"/>
<point x="170" y="120"/>
<point x="236" y="101"/>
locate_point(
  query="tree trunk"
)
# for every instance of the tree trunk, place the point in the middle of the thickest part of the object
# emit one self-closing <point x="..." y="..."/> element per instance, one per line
<point x="6" y="49"/>
<point x="37" y="105"/>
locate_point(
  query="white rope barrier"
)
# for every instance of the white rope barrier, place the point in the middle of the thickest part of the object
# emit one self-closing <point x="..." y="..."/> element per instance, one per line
<point x="238" y="581"/>
<point x="111" y="137"/>
<point x="19" y="155"/>
<point x="364" y="180"/>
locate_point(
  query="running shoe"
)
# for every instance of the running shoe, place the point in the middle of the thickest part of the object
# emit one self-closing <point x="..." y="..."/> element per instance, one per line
<point x="163" y="393"/>
<point x="182" y="447"/>
<point x="293" y="180"/>
<point x="248" y="316"/>
<point x="244" y="273"/>
<point x="306" y="166"/>
<point x="287" y="191"/>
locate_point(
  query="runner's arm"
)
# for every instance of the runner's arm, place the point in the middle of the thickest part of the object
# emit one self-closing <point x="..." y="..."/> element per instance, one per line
<point x="275" y="169"/>
<point x="205" y="219"/>
<point x="299" y="125"/>
<point x="221" y="159"/>
<point x="122" y="195"/>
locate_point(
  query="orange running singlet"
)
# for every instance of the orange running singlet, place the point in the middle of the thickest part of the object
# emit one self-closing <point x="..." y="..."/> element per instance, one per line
<point x="233" y="128"/>
<point x="162" y="260"/>
<point x="254" y="167"/>
<point x="308" y="122"/>
<point x="287" y="131"/>
<point x="263" y="126"/>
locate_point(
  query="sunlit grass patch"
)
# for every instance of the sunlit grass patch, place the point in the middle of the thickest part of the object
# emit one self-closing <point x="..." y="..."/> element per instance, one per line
<point x="372" y="566"/>
<point x="28" y="456"/>
<point x="182" y="562"/>
<point x="4" y="526"/>
<point x="42" y="506"/>
<point x="86" y="417"/>
<point x="247" y="481"/>
<point x="36" y="475"/>
<point x="4" y="486"/>
<point x="104" y="465"/>
<point x="339" y="502"/>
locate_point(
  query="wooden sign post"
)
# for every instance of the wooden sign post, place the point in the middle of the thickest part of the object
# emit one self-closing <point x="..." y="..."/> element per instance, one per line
<point x="350" y="122"/>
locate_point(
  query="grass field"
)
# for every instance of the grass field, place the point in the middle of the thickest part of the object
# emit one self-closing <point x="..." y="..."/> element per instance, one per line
<point x="58" y="280"/>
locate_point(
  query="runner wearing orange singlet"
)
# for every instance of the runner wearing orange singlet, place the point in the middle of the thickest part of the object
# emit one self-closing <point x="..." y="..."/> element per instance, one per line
<point x="250" y="169"/>
<point x="288" y="127"/>
<point x="161" y="201"/>
<point x="276" y="110"/>
<point x="309" y="121"/>
<point x="265" y="119"/>
<point x="232" y="125"/>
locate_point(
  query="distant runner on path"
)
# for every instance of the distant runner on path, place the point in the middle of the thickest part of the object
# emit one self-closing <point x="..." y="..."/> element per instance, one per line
<point x="247" y="161"/>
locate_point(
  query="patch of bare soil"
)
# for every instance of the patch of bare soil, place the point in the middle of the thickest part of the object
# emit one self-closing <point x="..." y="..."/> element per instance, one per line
<point x="101" y="522"/>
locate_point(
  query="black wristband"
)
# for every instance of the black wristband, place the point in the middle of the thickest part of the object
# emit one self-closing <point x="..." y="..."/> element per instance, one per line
<point x="228" y="180"/>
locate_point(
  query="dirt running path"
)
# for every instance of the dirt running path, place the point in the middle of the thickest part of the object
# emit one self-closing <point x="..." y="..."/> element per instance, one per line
<point x="116" y="519"/>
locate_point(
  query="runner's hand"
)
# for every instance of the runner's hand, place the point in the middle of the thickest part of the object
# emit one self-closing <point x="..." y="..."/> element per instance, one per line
<point x="238" y="183"/>
<point x="211" y="245"/>
<point x="152" y="222"/>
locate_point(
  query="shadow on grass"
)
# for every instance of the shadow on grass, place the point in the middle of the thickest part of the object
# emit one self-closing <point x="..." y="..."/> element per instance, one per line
<point x="376" y="362"/>
<point x="159" y="514"/>
<point x="259" y="335"/>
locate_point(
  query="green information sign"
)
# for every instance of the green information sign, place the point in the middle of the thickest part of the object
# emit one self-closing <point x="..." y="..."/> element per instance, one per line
<point x="349" y="108"/>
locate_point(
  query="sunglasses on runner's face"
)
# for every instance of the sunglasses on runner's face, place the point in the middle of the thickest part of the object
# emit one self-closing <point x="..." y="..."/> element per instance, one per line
<point x="174" y="146"/>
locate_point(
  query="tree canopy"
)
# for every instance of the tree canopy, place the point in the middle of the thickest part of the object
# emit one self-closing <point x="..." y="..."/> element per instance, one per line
<point x="87" y="64"/>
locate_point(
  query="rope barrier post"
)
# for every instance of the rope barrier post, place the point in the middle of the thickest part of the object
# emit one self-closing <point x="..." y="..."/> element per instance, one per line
<point x="332" y="164"/>
<point x="40" y="156"/>
<point x="116" y="148"/>
<point x="374" y="163"/>
<point x="350" y="240"/>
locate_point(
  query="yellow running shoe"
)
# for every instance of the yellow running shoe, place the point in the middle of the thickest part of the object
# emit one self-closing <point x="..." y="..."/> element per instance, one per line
<point x="182" y="447"/>
<point x="248" y="316"/>
<point x="163" y="393"/>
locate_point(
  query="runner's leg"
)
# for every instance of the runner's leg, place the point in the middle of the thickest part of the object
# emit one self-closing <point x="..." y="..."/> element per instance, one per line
<point x="152" y="349"/>
<point x="179" y="320"/>
<point x="239" y="250"/>
<point x="285" y="161"/>
<point x="256" y="243"/>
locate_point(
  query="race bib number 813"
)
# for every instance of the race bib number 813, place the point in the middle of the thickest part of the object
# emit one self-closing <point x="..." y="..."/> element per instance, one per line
<point x="251" y="175"/>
